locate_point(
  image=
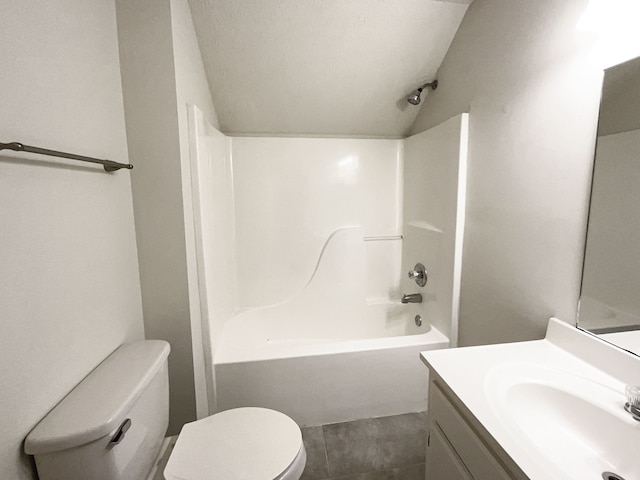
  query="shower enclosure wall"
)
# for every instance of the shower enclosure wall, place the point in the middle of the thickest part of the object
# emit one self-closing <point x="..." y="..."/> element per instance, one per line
<point x="304" y="245"/>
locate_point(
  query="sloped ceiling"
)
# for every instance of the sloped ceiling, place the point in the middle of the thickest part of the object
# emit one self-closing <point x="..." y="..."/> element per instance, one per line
<point x="321" y="67"/>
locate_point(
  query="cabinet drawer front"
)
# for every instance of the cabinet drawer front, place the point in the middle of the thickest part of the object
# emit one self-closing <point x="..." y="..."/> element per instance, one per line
<point x="464" y="440"/>
<point x="442" y="461"/>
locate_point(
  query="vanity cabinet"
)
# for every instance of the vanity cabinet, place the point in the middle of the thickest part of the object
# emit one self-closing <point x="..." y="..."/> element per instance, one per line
<point x="457" y="447"/>
<point x="442" y="460"/>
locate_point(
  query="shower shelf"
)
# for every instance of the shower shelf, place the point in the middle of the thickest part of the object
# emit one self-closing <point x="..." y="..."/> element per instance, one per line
<point x="379" y="238"/>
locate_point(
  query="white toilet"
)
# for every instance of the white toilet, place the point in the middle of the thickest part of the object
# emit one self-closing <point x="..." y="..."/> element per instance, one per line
<point x="112" y="425"/>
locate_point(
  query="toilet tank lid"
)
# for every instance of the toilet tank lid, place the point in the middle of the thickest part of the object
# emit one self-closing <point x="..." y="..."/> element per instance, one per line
<point x="100" y="402"/>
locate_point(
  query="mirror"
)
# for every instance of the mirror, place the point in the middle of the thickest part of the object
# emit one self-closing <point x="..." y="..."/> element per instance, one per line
<point x="610" y="295"/>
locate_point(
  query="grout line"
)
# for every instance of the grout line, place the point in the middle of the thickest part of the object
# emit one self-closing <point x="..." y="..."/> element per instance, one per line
<point x="326" y="455"/>
<point x="370" y="418"/>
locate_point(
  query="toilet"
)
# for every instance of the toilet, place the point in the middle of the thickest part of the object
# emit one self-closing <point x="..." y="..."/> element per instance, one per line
<point x="111" y="426"/>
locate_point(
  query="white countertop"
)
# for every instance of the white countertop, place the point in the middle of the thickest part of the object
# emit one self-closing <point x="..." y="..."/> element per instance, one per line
<point x="467" y="371"/>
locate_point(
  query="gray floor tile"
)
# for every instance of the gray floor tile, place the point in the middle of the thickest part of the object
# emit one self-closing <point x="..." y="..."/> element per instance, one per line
<point x="375" y="444"/>
<point x="411" y="472"/>
<point x="316" y="467"/>
<point x="381" y="475"/>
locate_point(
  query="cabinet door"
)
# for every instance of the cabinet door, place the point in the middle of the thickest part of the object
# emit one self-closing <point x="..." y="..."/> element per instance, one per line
<point x="442" y="461"/>
<point x="464" y="441"/>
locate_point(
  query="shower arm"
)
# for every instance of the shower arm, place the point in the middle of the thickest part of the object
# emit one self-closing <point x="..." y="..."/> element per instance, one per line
<point x="433" y="85"/>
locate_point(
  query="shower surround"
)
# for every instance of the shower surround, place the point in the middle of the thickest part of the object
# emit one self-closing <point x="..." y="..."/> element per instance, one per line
<point x="303" y="248"/>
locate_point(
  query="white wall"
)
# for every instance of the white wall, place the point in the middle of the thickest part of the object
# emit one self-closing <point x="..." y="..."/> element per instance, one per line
<point x="522" y="69"/>
<point x="337" y="68"/>
<point x="433" y="219"/>
<point x="161" y="72"/>
<point x="292" y="193"/>
<point x="69" y="284"/>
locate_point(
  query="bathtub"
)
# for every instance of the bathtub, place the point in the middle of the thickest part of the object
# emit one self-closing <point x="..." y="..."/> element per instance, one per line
<point x="331" y="352"/>
<point x="319" y="375"/>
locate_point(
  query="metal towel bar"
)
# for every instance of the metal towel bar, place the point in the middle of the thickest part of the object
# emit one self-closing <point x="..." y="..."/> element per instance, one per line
<point x="109" y="166"/>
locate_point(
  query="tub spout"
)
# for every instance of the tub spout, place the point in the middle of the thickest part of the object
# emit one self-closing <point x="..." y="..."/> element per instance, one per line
<point x="412" y="298"/>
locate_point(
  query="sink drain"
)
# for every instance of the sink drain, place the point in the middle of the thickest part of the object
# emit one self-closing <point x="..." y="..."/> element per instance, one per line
<point x="611" y="476"/>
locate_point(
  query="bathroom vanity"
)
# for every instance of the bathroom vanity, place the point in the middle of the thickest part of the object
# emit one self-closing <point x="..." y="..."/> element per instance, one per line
<point x="459" y="447"/>
<point x="539" y="410"/>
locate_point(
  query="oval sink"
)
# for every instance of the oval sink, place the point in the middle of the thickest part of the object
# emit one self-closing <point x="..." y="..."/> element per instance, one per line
<point x="576" y="424"/>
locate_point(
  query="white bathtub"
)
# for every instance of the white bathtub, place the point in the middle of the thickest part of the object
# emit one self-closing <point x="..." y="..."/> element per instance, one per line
<point x="326" y="365"/>
<point x="331" y="352"/>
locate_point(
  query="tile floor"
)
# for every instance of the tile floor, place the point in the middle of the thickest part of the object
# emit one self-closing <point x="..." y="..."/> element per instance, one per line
<point x="387" y="448"/>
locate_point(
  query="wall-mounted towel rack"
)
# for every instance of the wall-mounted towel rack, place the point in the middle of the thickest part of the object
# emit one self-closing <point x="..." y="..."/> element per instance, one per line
<point x="109" y="166"/>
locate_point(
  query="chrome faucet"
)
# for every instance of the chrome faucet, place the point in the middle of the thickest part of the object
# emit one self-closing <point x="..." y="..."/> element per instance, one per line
<point x="633" y="401"/>
<point x="411" y="298"/>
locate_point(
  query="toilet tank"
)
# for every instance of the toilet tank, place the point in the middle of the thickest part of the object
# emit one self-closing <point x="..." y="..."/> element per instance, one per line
<point x="111" y="425"/>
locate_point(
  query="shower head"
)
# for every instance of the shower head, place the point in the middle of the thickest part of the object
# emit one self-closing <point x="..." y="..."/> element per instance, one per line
<point x="414" y="97"/>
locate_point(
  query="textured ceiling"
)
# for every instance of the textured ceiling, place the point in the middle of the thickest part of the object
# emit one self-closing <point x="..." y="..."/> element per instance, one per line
<point x="321" y="67"/>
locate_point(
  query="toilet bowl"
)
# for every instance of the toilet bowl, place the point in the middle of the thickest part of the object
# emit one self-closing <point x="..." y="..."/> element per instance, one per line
<point x="242" y="443"/>
<point x="111" y="426"/>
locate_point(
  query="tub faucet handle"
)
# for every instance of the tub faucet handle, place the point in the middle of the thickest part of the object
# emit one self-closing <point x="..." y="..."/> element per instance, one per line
<point x="419" y="274"/>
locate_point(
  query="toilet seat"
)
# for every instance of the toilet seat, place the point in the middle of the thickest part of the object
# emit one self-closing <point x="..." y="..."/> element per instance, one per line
<point x="238" y="444"/>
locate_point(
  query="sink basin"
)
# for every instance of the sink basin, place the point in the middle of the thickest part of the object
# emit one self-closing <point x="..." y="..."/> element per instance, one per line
<point x="579" y="425"/>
